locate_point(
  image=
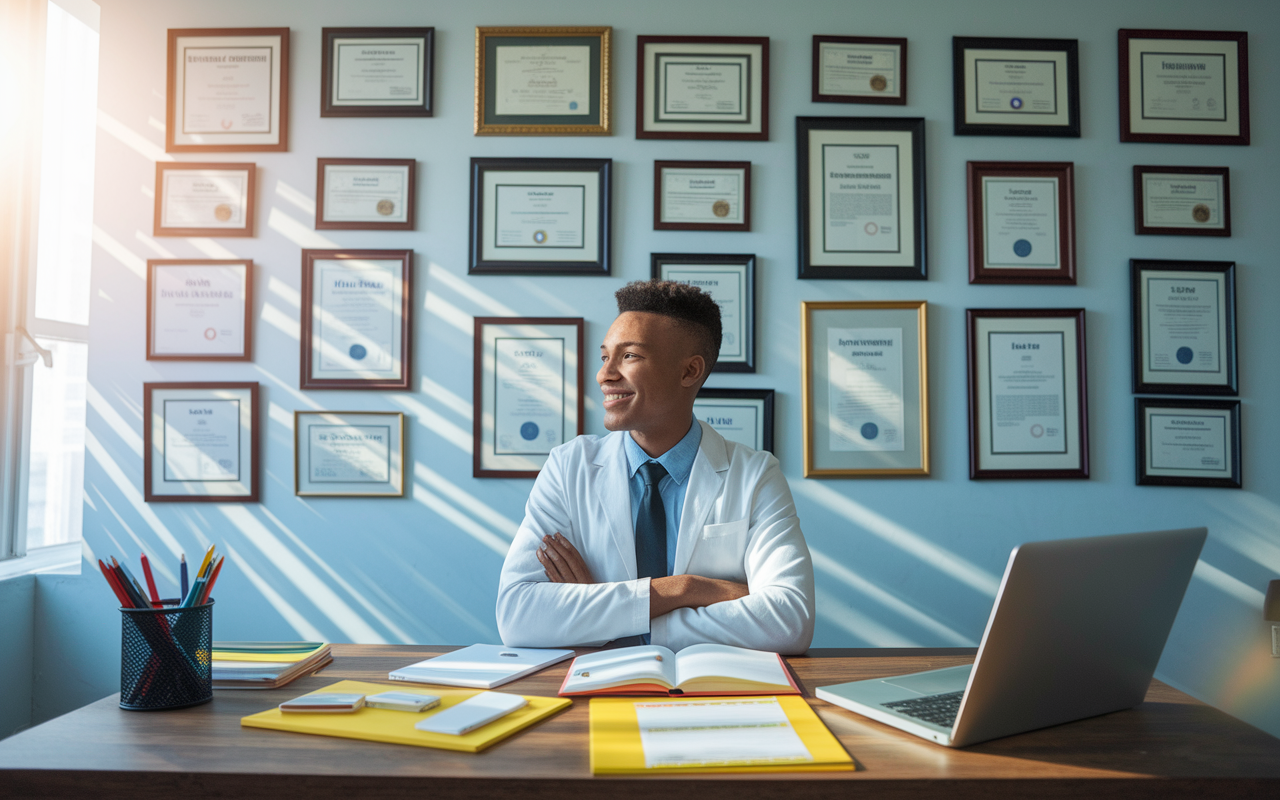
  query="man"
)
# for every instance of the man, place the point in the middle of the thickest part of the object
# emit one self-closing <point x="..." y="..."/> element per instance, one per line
<point x="661" y="529"/>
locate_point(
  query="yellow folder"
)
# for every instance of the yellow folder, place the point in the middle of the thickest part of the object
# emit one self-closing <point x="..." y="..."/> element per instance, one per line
<point x="265" y="656"/>
<point x="617" y="749"/>
<point x="384" y="725"/>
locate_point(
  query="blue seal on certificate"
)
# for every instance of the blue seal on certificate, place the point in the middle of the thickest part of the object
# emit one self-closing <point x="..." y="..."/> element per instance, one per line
<point x="1016" y="103"/>
<point x="573" y="105"/>
<point x="1022" y="248"/>
<point x="529" y="431"/>
<point x="539" y="237"/>
<point x="870" y="431"/>
<point x="358" y="352"/>
<point x="1184" y="355"/>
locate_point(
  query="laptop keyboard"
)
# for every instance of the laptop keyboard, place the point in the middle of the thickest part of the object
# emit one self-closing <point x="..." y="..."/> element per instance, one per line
<point x="940" y="709"/>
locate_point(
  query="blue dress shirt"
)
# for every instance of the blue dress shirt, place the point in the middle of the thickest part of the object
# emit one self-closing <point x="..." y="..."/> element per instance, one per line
<point x="678" y="462"/>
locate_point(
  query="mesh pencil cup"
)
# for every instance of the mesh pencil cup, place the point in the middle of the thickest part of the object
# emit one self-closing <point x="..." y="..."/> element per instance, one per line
<point x="166" y="657"/>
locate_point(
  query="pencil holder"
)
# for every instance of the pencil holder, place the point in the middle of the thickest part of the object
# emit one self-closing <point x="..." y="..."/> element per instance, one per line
<point x="166" y="657"/>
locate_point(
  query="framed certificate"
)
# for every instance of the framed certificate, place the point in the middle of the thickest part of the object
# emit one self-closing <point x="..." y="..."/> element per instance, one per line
<point x="1022" y="222"/>
<point x="204" y="199"/>
<point x="731" y="282"/>
<point x="365" y="193"/>
<point x="860" y="69"/>
<point x="377" y="72"/>
<point x="1187" y="442"/>
<point x="200" y="442"/>
<point x="199" y="310"/>
<point x="1184" y="326"/>
<point x="702" y="195"/>
<point x="702" y="87"/>
<point x="861" y="195"/>
<point x="743" y="416"/>
<point x="1028" y="408"/>
<point x="1182" y="201"/>
<point x="542" y="81"/>
<point x="528" y="392"/>
<point x="356" y="319"/>
<point x="1184" y="87"/>
<point x="548" y="216"/>
<point x="1016" y="87"/>
<point x="864" y="374"/>
<point x="348" y="453"/>
<point x="227" y="90"/>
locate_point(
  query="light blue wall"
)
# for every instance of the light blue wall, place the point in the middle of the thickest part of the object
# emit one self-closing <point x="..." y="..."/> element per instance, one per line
<point x="899" y="562"/>
<point x="17" y="619"/>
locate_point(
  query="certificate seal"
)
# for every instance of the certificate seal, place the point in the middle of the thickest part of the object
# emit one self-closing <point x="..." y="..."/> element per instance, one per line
<point x="870" y="431"/>
<point x="222" y="212"/>
<point x="720" y="208"/>
<point x="879" y="83"/>
<point x="529" y="431"/>
<point x="1184" y="355"/>
<point x="871" y="228"/>
<point x="539" y="237"/>
<point x="1037" y="431"/>
<point x="1015" y="103"/>
<point x="358" y="352"/>
<point x="386" y="208"/>
<point x="1022" y="248"/>
<point x="210" y="334"/>
<point x="1200" y="213"/>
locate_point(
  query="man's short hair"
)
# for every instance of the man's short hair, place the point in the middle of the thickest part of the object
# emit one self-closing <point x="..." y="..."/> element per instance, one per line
<point x="689" y="306"/>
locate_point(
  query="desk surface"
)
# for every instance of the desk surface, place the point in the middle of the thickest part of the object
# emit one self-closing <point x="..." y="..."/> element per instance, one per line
<point x="1189" y="748"/>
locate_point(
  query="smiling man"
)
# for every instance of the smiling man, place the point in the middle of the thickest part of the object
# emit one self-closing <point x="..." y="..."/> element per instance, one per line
<point x="661" y="531"/>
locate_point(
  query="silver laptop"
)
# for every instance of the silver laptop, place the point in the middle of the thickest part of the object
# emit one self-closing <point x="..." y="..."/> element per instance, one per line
<point x="1076" y="631"/>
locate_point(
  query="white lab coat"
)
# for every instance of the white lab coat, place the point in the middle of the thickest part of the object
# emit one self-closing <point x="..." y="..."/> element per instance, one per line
<point x="738" y="523"/>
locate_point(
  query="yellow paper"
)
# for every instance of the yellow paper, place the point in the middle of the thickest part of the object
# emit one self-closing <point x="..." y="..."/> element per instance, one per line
<point x="277" y="658"/>
<point x="396" y="727"/>
<point x="616" y="748"/>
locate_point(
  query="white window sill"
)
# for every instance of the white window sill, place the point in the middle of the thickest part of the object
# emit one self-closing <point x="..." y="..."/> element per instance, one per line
<point x="61" y="558"/>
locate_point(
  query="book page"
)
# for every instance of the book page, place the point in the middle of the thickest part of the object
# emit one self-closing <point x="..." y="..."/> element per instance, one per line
<point x="718" y="733"/>
<point x="625" y="665"/>
<point x="703" y="663"/>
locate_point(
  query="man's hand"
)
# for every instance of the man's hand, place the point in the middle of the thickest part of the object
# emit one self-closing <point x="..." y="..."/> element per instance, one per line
<point x="690" y="591"/>
<point x="562" y="562"/>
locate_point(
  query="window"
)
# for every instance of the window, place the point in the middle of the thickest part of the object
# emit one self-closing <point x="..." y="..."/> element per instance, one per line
<point x="47" y="274"/>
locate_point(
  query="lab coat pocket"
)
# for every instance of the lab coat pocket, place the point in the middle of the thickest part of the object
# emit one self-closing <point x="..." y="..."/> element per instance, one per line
<point x="721" y="550"/>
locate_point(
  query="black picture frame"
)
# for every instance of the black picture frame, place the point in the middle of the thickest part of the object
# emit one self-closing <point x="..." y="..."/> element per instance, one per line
<point x="877" y="82"/>
<point x="153" y="441"/>
<point x="329" y="63"/>
<point x="913" y="267"/>
<point x="599" y="264"/>
<point x="659" y="264"/>
<point x="1070" y="50"/>
<point x="1146" y="471"/>
<point x="1142" y="226"/>
<point x="1225" y="296"/>
<point x="765" y="397"/>
<point x="1192" y="133"/>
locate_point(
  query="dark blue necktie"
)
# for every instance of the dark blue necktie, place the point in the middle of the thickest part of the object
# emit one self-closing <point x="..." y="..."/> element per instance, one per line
<point x="651" y="525"/>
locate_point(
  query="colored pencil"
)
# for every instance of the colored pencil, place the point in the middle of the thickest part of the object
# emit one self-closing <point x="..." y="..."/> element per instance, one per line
<point x="151" y="581"/>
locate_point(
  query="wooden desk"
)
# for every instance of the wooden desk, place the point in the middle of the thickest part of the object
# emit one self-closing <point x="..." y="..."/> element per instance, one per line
<point x="1170" y="746"/>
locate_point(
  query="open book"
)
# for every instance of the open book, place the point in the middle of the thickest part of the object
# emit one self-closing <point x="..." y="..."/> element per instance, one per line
<point x="702" y="669"/>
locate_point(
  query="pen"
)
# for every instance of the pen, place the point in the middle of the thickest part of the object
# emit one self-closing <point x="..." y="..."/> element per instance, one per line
<point x="151" y="581"/>
<point x="183" y="569"/>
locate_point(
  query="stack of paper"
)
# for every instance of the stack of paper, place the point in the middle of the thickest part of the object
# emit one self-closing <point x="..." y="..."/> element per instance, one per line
<point x="265" y="665"/>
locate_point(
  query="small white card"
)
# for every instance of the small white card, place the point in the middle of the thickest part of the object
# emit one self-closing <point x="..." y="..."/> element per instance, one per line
<point x="402" y="701"/>
<point x="474" y="712"/>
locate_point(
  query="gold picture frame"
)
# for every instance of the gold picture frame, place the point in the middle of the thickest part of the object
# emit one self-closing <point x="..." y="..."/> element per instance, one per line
<point x="530" y="111"/>
<point x="880" y="435"/>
